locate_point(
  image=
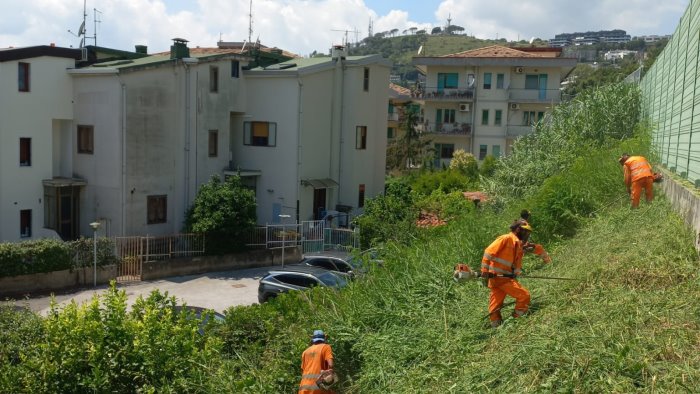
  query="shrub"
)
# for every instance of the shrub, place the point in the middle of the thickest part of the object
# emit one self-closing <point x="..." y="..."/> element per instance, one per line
<point x="488" y="167"/>
<point x="225" y="211"/>
<point x="31" y="257"/>
<point x="465" y="163"/>
<point x="446" y="181"/>
<point x="390" y="216"/>
<point x="83" y="250"/>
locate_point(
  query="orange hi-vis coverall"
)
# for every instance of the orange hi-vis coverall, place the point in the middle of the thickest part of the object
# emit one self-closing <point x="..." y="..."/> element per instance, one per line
<point x="314" y="359"/>
<point x="505" y="257"/>
<point x="638" y="176"/>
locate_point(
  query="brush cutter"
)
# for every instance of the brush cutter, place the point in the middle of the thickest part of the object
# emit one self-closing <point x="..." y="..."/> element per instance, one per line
<point x="462" y="273"/>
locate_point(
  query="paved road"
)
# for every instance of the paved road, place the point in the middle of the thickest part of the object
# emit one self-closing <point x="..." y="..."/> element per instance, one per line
<point x="213" y="290"/>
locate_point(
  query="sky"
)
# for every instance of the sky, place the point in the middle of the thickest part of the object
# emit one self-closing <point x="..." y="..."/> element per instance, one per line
<point x="305" y="26"/>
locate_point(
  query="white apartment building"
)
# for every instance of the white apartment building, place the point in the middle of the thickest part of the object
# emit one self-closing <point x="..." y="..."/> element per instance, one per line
<point x="483" y="99"/>
<point x="38" y="195"/>
<point x="314" y="135"/>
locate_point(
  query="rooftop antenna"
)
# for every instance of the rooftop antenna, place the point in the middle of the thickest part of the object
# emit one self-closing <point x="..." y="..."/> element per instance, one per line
<point x="345" y="43"/>
<point x="81" y="29"/>
<point x="449" y="23"/>
<point x="250" y="21"/>
<point x="369" y="30"/>
<point x="96" y="20"/>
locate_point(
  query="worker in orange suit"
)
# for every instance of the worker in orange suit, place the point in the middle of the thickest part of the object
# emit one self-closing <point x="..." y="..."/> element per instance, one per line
<point x="501" y="265"/>
<point x="316" y="364"/>
<point x="638" y="176"/>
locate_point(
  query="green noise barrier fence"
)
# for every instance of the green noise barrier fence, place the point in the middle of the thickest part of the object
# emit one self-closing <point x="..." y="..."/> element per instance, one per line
<point x="671" y="102"/>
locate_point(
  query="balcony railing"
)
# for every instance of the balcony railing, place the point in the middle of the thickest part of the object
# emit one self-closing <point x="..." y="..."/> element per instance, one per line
<point x="534" y="95"/>
<point x="518" y="131"/>
<point x="445" y="94"/>
<point x="445" y="128"/>
<point x="393" y="117"/>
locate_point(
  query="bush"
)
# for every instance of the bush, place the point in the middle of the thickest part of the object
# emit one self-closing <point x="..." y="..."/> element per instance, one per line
<point x="446" y="181"/>
<point x="83" y="249"/>
<point x="488" y="167"/>
<point x="32" y="257"/>
<point x="225" y="211"/>
<point x="390" y="216"/>
<point x="465" y="163"/>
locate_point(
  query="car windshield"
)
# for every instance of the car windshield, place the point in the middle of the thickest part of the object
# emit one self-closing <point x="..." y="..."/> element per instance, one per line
<point x="332" y="280"/>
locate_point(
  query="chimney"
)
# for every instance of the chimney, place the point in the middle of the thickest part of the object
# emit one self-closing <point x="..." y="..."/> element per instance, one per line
<point x="179" y="49"/>
<point x="338" y="52"/>
<point x="141" y="49"/>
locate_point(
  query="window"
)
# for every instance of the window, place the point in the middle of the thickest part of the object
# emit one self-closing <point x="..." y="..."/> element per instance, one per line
<point x="487" y="80"/>
<point x="361" y="196"/>
<point x="445" y="115"/>
<point x="471" y="80"/>
<point x="85" y="139"/>
<point x="361" y="137"/>
<point x="391" y="108"/>
<point x="390" y="132"/>
<point x="300" y="280"/>
<point x="485" y="117"/>
<point x="213" y="79"/>
<point x="235" y="69"/>
<point x="23" y="77"/>
<point x="260" y="133"/>
<point x="532" y="81"/>
<point x="499" y="81"/>
<point x="25" y="152"/>
<point x="157" y="209"/>
<point x="529" y="118"/>
<point x="365" y="85"/>
<point x="25" y="223"/>
<point x="447" y="80"/>
<point x="496" y="151"/>
<point x="213" y="143"/>
<point x="498" y="117"/>
<point x="445" y="151"/>
<point x="482" y="151"/>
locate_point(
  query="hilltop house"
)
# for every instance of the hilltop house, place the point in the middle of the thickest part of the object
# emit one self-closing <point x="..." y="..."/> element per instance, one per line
<point x="37" y="191"/>
<point x="483" y="99"/>
<point x="314" y="135"/>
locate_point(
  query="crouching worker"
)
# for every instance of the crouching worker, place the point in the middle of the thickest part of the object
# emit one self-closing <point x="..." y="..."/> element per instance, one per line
<point x="317" y="366"/>
<point x="501" y="264"/>
<point x="638" y="176"/>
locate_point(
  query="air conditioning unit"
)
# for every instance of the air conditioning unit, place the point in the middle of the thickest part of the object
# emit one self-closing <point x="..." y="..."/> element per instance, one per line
<point x="464" y="107"/>
<point x="514" y="106"/>
<point x="518" y="70"/>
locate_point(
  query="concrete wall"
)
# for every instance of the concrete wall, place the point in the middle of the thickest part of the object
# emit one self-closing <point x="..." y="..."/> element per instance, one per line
<point x="685" y="201"/>
<point x="54" y="281"/>
<point x="66" y="280"/>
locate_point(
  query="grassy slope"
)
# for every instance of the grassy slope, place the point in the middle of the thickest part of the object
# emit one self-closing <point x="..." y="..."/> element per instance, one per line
<point x="631" y="325"/>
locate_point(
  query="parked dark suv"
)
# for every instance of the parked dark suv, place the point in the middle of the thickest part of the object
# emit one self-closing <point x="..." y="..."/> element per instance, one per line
<point x="296" y="278"/>
<point x="345" y="266"/>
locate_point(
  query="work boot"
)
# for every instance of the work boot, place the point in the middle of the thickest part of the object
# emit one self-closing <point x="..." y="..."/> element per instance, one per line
<point x="518" y="313"/>
<point x="496" y="323"/>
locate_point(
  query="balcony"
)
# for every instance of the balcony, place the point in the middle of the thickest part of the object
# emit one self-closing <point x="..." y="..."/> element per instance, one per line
<point x="443" y="94"/>
<point x="518" y="131"/>
<point x="534" y="95"/>
<point x="393" y="117"/>
<point x="445" y="128"/>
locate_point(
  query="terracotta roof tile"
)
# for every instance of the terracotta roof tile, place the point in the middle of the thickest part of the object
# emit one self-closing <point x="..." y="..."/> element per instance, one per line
<point x="402" y="91"/>
<point x="495" y="51"/>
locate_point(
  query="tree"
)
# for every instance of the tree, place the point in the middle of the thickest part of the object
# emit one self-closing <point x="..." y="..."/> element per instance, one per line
<point x="488" y="167"/>
<point x="413" y="30"/>
<point x="225" y="211"/>
<point x="412" y="149"/>
<point x="393" y="32"/>
<point x="436" y="30"/>
<point x="453" y="29"/>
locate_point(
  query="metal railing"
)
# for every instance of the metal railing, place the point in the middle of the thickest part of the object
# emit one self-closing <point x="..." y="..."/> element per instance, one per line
<point x="393" y="117"/>
<point x="518" y="131"/>
<point x="447" y="94"/>
<point x="534" y="95"/>
<point x="311" y="235"/>
<point x="445" y="128"/>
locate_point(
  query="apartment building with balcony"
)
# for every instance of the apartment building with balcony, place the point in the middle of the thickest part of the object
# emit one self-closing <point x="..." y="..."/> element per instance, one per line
<point x="483" y="99"/>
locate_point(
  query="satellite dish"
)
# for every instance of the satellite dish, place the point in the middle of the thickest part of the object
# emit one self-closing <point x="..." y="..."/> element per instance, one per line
<point x="82" y="42"/>
<point x="81" y="29"/>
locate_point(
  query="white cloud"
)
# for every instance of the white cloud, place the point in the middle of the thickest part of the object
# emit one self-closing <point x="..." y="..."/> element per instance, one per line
<point x="303" y="26"/>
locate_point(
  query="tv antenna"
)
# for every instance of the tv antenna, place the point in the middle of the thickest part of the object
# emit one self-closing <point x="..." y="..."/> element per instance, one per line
<point x="250" y="21"/>
<point x="345" y="43"/>
<point x="82" y="31"/>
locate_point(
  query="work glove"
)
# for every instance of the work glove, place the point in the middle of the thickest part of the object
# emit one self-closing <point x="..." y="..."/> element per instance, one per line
<point x="545" y="258"/>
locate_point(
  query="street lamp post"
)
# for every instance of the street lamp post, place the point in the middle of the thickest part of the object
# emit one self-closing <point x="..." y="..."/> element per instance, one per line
<point x="284" y="236"/>
<point x="95" y="226"/>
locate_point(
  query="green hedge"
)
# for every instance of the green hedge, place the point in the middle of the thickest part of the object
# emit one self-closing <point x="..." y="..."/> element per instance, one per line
<point x="47" y="255"/>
